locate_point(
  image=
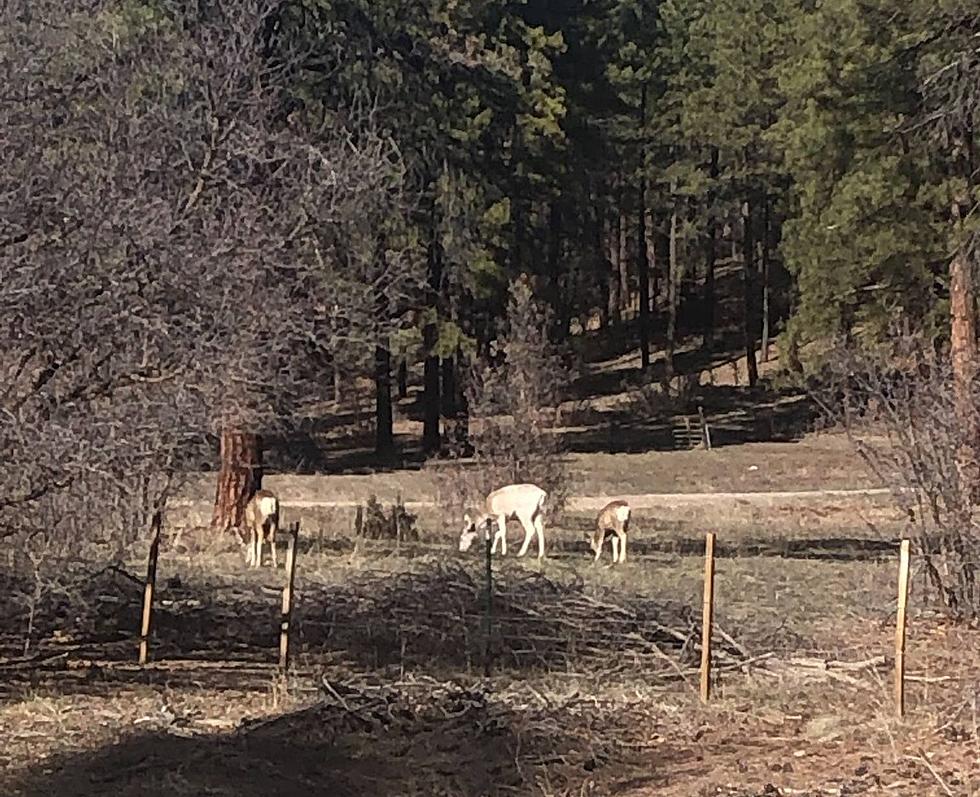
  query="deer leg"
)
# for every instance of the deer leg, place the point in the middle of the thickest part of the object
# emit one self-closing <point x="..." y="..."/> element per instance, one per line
<point x="615" y="547"/>
<point x="501" y="534"/>
<point x="622" y="548"/>
<point x="597" y="542"/>
<point x="273" y="530"/>
<point x="248" y="550"/>
<point x="529" y="531"/>
<point x="539" y="528"/>
<point x="272" y="545"/>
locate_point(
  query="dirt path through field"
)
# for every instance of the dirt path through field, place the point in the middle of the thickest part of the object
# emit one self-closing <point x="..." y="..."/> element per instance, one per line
<point x="592" y="503"/>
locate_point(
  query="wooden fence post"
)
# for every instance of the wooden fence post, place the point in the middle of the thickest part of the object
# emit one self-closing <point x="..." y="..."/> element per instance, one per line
<point x="903" y="597"/>
<point x="287" y="597"/>
<point x="705" y="431"/>
<point x="151" y="579"/>
<point x="707" y="615"/>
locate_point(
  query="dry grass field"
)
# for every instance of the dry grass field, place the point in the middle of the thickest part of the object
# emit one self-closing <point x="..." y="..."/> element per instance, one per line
<point x="593" y="687"/>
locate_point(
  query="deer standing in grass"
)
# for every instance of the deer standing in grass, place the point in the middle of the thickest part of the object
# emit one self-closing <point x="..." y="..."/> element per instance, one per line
<point x="523" y="501"/>
<point x="261" y="519"/>
<point x="614" y="518"/>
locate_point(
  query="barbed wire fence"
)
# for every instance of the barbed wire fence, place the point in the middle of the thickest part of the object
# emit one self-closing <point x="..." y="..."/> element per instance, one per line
<point x="440" y="615"/>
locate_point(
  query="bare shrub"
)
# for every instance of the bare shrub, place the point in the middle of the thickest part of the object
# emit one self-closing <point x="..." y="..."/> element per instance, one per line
<point x="897" y="406"/>
<point x="515" y="412"/>
<point x="397" y="524"/>
<point x="180" y="237"/>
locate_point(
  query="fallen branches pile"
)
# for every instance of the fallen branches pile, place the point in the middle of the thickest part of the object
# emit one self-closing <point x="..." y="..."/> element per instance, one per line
<point x="430" y="620"/>
<point x="435" y="618"/>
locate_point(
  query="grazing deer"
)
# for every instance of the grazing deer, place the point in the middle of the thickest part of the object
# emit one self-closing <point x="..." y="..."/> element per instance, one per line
<point x="261" y="519"/>
<point x="523" y="501"/>
<point x="614" y="518"/>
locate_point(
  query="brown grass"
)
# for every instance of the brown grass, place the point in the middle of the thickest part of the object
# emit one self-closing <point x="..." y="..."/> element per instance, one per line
<point x="798" y="584"/>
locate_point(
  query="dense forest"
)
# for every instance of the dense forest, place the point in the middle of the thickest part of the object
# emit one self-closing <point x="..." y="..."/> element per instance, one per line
<point x="210" y="210"/>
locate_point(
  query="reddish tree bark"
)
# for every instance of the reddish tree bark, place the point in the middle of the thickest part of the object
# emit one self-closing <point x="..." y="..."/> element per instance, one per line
<point x="238" y="479"/>
<point x="963" y="346"/>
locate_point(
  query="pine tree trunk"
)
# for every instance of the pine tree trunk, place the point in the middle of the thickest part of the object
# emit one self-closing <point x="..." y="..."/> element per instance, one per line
<point x="239" y="476"/>
<point x="963" y="345"/>
<point x="654" y="258"/>
<point x="431" y="436"/>
<point x="331" y="369"/>
<point x="595" y="231"/>
<point x="518" y="202"/>
<point x="643" y="271"/>
<point x="765" y="277"/>
<point x="460" y="423"/>
<point x="711" y="236"/>
<point x="625" y="300"/>
<point x="554" y="271"/>
<point x="612" y="248"/>
<point x="672" y="298"/>
<point x="963" y="320"/>
<point x="403" y="378"/>
<point x="448" y="387"/>
<point x="384" y="438"/>
<point x="748" y="285"/>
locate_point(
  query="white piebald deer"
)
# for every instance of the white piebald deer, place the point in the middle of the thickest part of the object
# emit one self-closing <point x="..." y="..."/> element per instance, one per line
<point x="523" y="501"/>
<point x="614" y="518"/>
<point x="261" y="520"/>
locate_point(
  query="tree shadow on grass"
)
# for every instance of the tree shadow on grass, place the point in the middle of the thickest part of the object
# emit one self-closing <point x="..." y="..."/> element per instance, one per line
<point x="437" y="739"/>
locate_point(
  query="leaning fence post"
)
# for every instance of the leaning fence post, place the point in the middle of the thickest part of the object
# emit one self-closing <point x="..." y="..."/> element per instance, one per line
<point x="151" y="579"/>
<point x="903" y="597"/>
<point x="488" y="647"/>
<point x="287" y="597"/>
<point x="705" y="431"/>
<point x="707" y="614"/>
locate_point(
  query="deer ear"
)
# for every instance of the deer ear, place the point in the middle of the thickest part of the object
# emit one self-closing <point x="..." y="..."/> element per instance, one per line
<point x="467" y="520"/>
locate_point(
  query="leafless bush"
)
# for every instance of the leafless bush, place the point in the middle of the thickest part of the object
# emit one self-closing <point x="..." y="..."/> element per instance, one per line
<point x="897" y="405"/>
<point x="399" y="524"/>
<point x="515" y="411"/>
<point x="180" y="236"/>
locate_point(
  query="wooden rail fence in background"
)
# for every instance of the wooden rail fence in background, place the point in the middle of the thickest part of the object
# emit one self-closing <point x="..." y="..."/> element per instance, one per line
<point x="707" y="609"/>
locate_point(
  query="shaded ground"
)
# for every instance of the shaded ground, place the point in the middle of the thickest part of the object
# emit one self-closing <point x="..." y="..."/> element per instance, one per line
<point x="568" y="724"/>
<point x="411" y="739"/>
<point x="758" y="738"/>
<point x="806" y="587"/>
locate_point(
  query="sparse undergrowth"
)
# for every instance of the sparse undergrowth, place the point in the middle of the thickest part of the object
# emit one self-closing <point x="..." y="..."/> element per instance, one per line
<point x="388" y="695"/>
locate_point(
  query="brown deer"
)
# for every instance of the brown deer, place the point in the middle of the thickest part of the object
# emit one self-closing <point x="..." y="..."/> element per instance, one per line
<point x="614" y="518"/>
<point x="523" y="501"/>
<point x="261" y="519"/>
